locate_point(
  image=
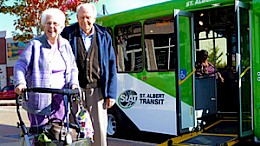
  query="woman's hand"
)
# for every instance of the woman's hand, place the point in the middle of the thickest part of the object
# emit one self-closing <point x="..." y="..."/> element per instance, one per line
<point x="74" y="86"/>
<point x="19" y="89"/>
<point x="221" y="79"/>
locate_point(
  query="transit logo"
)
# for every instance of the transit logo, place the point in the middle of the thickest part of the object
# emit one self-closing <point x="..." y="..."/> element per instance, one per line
<point x="127" y="99"/>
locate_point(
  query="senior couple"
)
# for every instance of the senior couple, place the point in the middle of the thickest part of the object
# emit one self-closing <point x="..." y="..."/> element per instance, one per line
<point x="77" y="56"/>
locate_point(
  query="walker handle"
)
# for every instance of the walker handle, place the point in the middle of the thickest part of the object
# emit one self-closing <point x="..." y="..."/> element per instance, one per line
<point x="52" y="90"/>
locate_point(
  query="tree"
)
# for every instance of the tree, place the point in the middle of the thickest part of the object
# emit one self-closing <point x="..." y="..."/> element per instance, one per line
<point x="216" y="56"/>
<point x="28" y="14"/>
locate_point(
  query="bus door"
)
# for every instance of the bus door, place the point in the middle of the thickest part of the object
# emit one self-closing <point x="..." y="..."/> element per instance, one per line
<point x="184" y="70"/>
<point x="243" y="64"/>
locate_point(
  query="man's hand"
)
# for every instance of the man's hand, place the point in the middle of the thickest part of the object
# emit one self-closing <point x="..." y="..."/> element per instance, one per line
<point x="110" y="102"/>
<point x="19" y="89"/>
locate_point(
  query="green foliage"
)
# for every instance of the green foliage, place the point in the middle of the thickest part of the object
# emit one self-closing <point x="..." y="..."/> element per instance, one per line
<point x="212" y="56"/>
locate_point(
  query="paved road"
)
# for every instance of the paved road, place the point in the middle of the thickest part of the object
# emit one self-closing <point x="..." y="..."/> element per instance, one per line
<point x="9" y="133"/>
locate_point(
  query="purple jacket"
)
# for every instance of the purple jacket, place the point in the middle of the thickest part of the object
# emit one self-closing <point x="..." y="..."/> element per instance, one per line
<point x="33" y="69"/>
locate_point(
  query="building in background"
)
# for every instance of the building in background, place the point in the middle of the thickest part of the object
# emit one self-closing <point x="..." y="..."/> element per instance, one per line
<point x="10" y="51"/>
<point x="3" y="66"/>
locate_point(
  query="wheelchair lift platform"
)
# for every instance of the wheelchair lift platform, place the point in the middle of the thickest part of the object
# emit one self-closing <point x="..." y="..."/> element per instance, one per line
<point x="220" y="133"/>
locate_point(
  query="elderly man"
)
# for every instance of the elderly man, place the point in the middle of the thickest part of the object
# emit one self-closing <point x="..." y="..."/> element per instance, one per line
<point x="95" y="57"/>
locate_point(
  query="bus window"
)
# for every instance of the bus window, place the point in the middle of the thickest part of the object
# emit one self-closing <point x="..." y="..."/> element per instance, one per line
<point x="159" y="44"/>
<point x="109" y="30"/>
<point x="128" y="47"/>
<point x="212" y="34"/>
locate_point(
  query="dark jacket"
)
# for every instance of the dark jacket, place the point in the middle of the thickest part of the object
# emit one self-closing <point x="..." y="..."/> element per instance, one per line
<point x="107" y="56"/>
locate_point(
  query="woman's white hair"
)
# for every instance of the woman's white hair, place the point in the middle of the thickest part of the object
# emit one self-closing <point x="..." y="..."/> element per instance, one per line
<point x="87" y="6"/>
<point x="56" y="13"/>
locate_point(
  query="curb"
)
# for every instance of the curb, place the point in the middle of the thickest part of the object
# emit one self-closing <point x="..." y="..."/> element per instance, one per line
<point x="7" y="104"/>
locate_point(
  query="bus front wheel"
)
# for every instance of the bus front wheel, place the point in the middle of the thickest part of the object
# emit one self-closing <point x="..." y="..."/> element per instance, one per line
<point x="112" y="124"/>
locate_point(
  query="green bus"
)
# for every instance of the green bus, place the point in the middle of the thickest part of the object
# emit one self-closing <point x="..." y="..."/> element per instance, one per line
<point x="157" y="48"/>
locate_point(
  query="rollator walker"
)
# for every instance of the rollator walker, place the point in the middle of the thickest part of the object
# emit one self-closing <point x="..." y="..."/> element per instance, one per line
<point x="55" y="132"/>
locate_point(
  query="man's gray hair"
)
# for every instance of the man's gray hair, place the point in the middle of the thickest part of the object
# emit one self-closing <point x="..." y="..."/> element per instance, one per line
<point x="57" y="14"/>
<point x="87" y="6"/>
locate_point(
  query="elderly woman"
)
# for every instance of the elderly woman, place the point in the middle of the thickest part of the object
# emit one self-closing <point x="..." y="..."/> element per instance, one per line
<point x="46" y="62"/>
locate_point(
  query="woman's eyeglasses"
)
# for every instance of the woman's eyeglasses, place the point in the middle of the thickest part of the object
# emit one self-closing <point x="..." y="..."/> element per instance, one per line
<point x="54" y="24"/>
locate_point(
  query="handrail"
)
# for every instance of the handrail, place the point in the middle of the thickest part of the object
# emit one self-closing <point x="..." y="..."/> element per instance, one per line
<point x="244" y="72"/>
<point x="188" y="76"/>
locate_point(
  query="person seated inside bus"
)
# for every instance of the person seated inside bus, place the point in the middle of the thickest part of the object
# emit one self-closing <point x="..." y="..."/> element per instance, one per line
<point x="204" y="68"/>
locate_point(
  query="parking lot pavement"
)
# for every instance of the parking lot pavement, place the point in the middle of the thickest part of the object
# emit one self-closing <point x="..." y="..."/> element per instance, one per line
<point x="122" y="142"/>
<point x="9" y="136"/>
<point x="9" y="132"/>
<point x="13" y="140"/>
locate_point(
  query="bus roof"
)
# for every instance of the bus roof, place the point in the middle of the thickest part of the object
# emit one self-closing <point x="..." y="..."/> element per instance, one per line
<point x="160" y="9"/>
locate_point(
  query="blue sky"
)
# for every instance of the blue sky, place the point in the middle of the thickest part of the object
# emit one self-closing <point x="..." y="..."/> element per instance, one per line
<point x="112" y="6"/>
